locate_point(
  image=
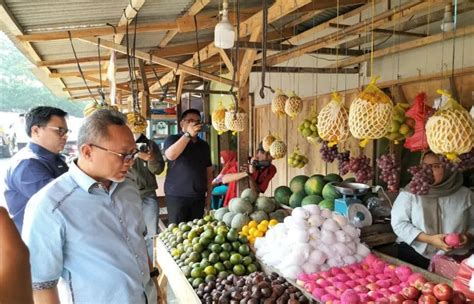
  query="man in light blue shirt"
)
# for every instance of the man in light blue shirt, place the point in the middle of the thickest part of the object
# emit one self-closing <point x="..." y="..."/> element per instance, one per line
<point x="86" y="228"/>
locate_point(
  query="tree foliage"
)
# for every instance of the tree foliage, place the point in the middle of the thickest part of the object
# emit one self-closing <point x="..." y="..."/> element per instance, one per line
<point x="20" y="90"/>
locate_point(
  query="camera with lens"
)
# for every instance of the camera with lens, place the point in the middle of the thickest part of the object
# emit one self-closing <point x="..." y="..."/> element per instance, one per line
<point x="261" y="164"/>
<point x="142" y="147"/>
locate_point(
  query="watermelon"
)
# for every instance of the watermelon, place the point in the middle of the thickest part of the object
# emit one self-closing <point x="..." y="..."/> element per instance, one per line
<point x="240" y="205"/>
<point x="228" y="218"/>
<point x="329" y="192"/>
<point x="219" y="213"/>
<point x="265" y="204"/>
<point x="239" y="221"/>
<point x="278" y="215"/>
<point x="311" y="200"/>
<point x="328" y="204"/>
<point x="314" y="185"/>
<point x="282" y="195"/>
<point x="332" y="177"/>
<point x="249" y="195"/>
<point x="296" y="199"/>
<point x="297" y="183"/>
<point x="258" y="216"/>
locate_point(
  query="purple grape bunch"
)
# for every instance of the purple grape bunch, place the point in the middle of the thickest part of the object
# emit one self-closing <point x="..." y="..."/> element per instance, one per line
<point x="328" y="154"/>
<point x="343" y="159"/>
<point x="465" y="163"/>
<point x="389" y="171"/>
<point x="361" y="168"/>
<point x="421" y="180"/>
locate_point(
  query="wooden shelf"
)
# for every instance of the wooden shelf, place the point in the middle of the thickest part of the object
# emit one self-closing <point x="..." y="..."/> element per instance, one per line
<point x="168" y="117"/>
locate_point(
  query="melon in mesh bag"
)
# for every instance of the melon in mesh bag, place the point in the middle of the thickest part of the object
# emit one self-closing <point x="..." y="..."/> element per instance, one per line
<point x="370" y="114"/>
<point x="333" y="121"/>
<point x="450" y="131"/>
<point x="267" y="141"/>
<point x="218" y="119"/>
<point x="136" y="122"/>
<point x="278" y="103"/>
<point x="278" y="149"/>
<point x="235" y="120"/>
<point x="293" y="106"/>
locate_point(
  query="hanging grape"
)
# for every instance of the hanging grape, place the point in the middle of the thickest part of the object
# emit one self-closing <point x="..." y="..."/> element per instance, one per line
<point x="390" y="171"/>
<point x="421" y="180"/>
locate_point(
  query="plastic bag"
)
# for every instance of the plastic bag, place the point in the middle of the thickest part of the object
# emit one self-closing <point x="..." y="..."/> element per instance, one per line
<point x="370" y="114"/>
<point x="450" y="131"/>
<point x="445" y="266"/>
<point x="420" y="112"/>
<point x="333" y="121"/>
<point x="463" y="280"/>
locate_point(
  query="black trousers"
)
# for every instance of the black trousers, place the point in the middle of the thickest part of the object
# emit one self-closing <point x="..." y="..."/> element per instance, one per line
<point x="408" y="254"/>
<point x="184" y="209"/>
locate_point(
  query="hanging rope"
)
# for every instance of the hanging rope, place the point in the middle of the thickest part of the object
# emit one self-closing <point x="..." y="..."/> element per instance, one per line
<point x="264" y="46"/>
<point x="100" y="90"/>
<point x="79" y="66"/>
<point x="372" y="42"/>
<point x="236" y="63"/>
<point x="337" y="47"/>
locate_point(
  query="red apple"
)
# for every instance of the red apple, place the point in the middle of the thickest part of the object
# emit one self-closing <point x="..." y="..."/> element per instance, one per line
<point x="427" y="299"/>
<point x="419" y="282"/>
<point x="428" y="288"/>
<point x="443" y="302"/>
<point x="395" y="289"/>
<point x="458" y="298"/>
<point x="411" y="293"/>
<point x="443" y="292"/>
<point x="409" y="302"/>
<point x="396" y="299"/>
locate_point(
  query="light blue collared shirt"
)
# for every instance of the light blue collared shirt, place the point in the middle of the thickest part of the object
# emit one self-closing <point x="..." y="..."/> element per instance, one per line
<point x="90" y="237"/>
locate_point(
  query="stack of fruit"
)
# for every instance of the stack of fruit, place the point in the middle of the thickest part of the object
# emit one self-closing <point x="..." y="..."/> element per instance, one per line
<point x="252" y="289"/>
<point x="304" y="190"/>
<point x="297" y="160"/>
<point x="308" y="128"/>
<point x="254" y="230"/>
<point x="249" y="206"/>
<point x="206" y="249"/>
<point x="401" y="126"/>
<point x="375" y="281"/>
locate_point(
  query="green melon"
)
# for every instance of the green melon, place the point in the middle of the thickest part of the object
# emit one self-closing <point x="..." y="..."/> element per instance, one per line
<point x="278" y="215"/>
<point x="265" y="204"/>
<point x="240" y="205"/>
<point x="228" y="218"/>
<point x="350" y="180"/>
<point x="311" y="200"/>
<point x="296" y="199"/>
<point x="282" y="195"/>
<point x="219" y="213"/>
<point x="314" y="185"/>
<point x="249" y="195"/>
<point x="328" y="204"/>
<point x="297" y="183"/>
<point x="333" y="177"/>
<point x="330" y="193"/>
<point x="239" y="221"/>
<point x="259" y="216"/>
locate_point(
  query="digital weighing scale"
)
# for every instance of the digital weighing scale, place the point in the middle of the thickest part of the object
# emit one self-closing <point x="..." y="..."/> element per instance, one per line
<point x="350" y="206"/>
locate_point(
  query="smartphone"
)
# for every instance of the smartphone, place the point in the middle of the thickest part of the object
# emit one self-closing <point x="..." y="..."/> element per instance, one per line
<point x="205" y="127"/>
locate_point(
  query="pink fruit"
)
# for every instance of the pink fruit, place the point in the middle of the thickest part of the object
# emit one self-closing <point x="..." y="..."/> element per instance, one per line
<point x="335" y="271"/>
<point x="361" y="289"/>
<point x="332" y="280"/>
<point x="347" y="269"/>
<point x="327" y="297"/>
<point x="382" y="301"/>
<point x="381" y="276"/>
<point x="370" y="258"/>
<point x="396" y="299"/>
<point x="351" y="283"/>
<point x="371" y="278"/>
<point x="350" y="297"/>
<point x="443" y="292"/>
<point x="364" y="297"/>
<point x="318" y="293"/>
<point x="355" y="267"/>
<point x="374" y="295"/>
<point x="360" y="273"/>
<point x="409" y="302"/>
<point x="313" y="276"/>
<point x="331" y="289"/>
<point x="309" y="286"/>
<point x="389" y="269"/>
<point x="411" y="293"/>
<point x="403" y="272"/>
<point x="383" y="283"/>
<point x="362" y="281"/>
<point x="395" y="281"/>
<point x="352" y="276"/>
<point x="453" y="239"/>
<point x="395" y="289"/>
<point x="322" y="282"/>
<point x="417" y="280"/>
<point x="379" y="266"/>
<point x="341" y="286"/>
<point x="325" y="274"/>
<point x="302" y="277"/>
<point x="373" y="286"/>
<point x="342" y="277"/>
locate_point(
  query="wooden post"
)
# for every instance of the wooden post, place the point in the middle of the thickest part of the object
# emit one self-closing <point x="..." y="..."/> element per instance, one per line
<point x="145" y="95"/>
<point x="243" y="140"/>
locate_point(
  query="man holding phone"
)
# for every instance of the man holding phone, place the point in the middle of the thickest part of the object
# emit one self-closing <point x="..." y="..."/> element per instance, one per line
<point x="188" y="183"/>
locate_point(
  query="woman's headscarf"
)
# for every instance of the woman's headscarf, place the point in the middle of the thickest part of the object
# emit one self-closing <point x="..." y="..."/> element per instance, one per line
<point x="230" y="161"/>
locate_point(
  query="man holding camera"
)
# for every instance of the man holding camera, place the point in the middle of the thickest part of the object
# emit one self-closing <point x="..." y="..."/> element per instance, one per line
<point x="259" y="171"/>
<point x="148" y="163"/>
<point x="188" y="184"/>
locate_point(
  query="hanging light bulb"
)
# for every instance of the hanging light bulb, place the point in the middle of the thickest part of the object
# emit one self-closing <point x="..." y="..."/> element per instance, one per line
<point x="224" y="31"/>
<point x="447" y="24"/>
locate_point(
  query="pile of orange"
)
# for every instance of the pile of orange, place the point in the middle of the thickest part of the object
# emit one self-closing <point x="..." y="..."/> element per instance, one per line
<point x="254" y="230"/>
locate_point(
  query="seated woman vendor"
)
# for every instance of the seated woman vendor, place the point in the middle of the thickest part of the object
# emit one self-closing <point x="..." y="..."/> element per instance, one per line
<point x="422" y="221"/>
<point x="229" y="164"/>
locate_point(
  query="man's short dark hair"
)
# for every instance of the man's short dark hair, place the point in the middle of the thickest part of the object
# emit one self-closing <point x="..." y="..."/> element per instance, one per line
<point x="40" y="116"/>
<point x="260" y="148"/>
<point x="190" y="111"/>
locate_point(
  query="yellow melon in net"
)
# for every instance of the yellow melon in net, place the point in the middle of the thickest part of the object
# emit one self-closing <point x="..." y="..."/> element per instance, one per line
<point x="278" y="103"/>
<point x="293" y="106"/>
<point x="267" y="142"/>
<point x="235" y="120"/>
<point x="333" y="125"/>
<point x="136" y="122"/>
<point x="218" y="119"/>
<point x="278" y="149"/>
<point x="450" y="131"/>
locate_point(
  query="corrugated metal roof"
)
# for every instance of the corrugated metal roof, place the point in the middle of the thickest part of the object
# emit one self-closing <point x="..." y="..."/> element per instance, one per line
<point x="324" y="16"/>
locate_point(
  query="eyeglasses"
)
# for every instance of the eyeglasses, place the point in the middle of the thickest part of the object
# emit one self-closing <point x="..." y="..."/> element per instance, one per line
<point x="61" y="131"/>
<point x="126" y="157"/>
<point x="436" y="166"/>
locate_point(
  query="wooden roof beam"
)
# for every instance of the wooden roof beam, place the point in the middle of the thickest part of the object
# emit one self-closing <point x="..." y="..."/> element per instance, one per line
<point x="284" y="47"/>
<point x="306" y="70"/>
<point x="383" y="31"/>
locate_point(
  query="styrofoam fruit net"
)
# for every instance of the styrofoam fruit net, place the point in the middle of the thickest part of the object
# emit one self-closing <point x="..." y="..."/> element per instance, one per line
<point x="267" y="142"/>
<point x="218" y="119"/>
<point x="136" y="122"/>
<point x="278" y="103"/>
<point x="278" y="149"/>
<point x="293" y="106"/>
<point x="450" y="131"/>
<point x="370" y="114"/>
<point x="235" y="120"/>
<point x="333" y="125"/>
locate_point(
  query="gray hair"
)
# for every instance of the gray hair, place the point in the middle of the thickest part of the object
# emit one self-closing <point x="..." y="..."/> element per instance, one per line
<point x="95" y="126"/>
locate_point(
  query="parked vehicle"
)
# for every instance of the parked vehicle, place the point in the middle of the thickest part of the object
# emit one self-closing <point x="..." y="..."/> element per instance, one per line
<point x="6" y="144"/>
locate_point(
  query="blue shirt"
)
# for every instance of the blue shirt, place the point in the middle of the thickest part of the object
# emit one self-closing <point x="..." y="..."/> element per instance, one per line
<point x="187" y="175"/>
<point x="31" y="169"/>
<point x="90" y="237"/>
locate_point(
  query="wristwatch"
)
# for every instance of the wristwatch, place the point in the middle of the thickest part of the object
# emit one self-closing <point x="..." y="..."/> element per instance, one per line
<point x="154" y="273"/>
<point x="187" y="134"/>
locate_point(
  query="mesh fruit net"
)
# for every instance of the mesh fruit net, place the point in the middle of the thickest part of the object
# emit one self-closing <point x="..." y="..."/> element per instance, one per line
<point x="278" y="103"/>
<point x="333" y="124"/>
<point x="293" y="106"/>
<point x="235" y="120"/>
<point x="136" y="122"/>
<point x="267" y="142"/>
<point x="278" y="149"/>
<point x="218" y="119"/>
